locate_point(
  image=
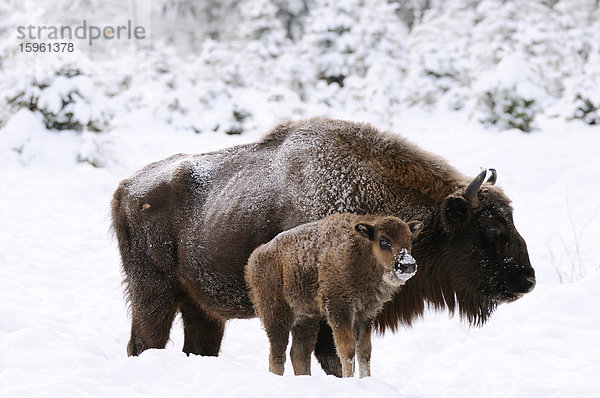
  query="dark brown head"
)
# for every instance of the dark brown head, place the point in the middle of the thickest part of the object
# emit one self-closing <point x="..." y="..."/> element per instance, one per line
<point x="481" y="253"/>
<point x="391" y="240"/>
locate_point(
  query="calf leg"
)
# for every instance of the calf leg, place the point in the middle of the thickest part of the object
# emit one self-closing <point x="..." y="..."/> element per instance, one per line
<point x="278" y="340"/>
<point x="363" y="346"/>
<point x="277" y="319"/>
<point x="304" y="337"/>
<point x="345" y="342"/>
<point x="202" y="333"/>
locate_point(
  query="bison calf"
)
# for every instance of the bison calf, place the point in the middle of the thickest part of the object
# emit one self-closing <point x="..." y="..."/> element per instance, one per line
<point x="343" y="268"/>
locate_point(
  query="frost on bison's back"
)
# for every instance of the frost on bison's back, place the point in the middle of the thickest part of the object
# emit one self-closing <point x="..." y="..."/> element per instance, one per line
<point x="187" y="225"/>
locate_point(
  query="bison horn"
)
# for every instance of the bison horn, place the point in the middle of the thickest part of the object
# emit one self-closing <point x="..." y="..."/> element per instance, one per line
<point x="471" y="191"/>
<point x="492" y="179"/>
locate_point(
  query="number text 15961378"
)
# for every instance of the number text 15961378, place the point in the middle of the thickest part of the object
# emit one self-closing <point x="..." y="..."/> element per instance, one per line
<point x="46" y="47"/>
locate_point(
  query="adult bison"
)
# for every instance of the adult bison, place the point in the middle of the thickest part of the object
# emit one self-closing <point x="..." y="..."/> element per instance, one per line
<point x="186" y="226"/>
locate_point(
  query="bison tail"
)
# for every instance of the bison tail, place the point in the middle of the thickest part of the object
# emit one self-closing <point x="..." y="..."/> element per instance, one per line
<point x="325" y="351"/>
<point x="121" y="230"/>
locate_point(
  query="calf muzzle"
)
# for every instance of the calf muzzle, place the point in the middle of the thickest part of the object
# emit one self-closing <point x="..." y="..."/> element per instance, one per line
<point x="405" y="263"/>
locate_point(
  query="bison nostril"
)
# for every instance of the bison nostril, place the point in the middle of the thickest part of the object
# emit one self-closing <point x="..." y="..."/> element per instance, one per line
<point x="529" y="283"/>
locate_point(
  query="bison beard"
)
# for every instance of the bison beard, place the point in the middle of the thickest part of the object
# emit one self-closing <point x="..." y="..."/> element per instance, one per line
<point x="187" y="225"/>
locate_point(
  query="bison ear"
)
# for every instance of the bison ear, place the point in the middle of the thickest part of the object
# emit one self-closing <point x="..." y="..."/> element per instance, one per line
<point x="366" y="230"/>
<point x="415" y="227"/>
<point x="456" y="214"/>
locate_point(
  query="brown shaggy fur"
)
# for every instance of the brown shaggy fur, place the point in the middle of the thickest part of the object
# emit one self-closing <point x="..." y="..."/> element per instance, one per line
<point x="340" y="268"/>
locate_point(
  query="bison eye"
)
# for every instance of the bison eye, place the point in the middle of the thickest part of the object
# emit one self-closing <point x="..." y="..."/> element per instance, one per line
<point x="385" y="243"/>
<point x="492" y="232"/>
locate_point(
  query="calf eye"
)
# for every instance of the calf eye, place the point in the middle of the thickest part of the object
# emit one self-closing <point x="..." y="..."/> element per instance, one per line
<point x="385" y="243"/>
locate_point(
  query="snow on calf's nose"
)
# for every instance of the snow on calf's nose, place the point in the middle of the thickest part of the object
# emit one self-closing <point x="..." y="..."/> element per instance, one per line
<point x="405" y="265"/>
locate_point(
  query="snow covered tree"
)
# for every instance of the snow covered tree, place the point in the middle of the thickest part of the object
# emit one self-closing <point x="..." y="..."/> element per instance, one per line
<point x="217" y="65"/>
<point x="64" y="97"/>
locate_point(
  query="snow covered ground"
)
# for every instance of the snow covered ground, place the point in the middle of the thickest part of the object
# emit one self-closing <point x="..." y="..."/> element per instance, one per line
<point x="64" y="324"/>
<point x="240" y="66"/>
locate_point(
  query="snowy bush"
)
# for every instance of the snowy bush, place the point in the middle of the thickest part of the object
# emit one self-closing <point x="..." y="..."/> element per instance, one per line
<point x="410" y="11"/>
<point x="505" y="109"/>
<point x="342" y="44"/>
<point x="582" y="99"/>
<point x="4" y="31"/>
<point x="65" y="98"/>
<point x="438" y="63"/>
<point x="508" y="96"/>
<point x="587" y="110"/>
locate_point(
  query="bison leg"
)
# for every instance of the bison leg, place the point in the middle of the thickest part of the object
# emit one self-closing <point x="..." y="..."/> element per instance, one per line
<point x="202" y="333"/>
<point x="153" y="309"/>
<point x="325" y="351"/>
<point x="304" y="337"/>
<point x="363" y="349"/>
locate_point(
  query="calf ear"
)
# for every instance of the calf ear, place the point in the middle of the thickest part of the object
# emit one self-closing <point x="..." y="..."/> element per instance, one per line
<point x="366" y="230"/>
<point x="415" y="227"/>
<point x="456" y="214"/>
